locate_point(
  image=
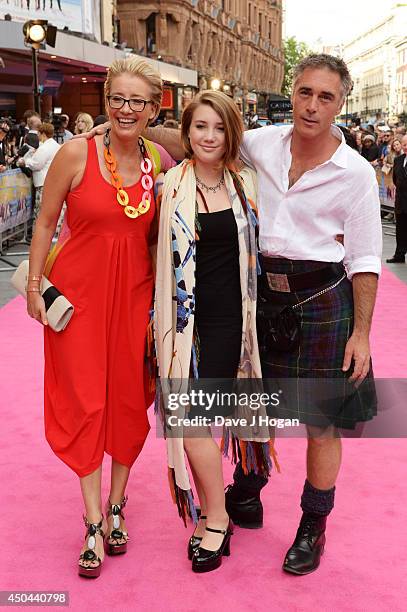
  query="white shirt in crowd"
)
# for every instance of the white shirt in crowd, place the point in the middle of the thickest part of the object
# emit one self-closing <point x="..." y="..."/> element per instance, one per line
<point x="338" y="197"/>
<point x="41" y="159"/>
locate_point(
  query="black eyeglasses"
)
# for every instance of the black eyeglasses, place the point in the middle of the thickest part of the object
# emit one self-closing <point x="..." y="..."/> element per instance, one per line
<point x="135" y="104"/>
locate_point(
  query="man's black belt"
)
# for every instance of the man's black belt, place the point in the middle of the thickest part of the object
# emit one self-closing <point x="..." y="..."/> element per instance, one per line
<point x="293" y="282"/>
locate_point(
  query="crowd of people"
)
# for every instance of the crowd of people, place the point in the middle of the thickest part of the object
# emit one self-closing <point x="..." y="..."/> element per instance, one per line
<point x="385" y="148"/>
<point x="32" y="144"/>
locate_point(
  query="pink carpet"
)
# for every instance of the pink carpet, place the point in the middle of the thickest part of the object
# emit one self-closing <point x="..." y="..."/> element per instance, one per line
<point x="364" y="566"/>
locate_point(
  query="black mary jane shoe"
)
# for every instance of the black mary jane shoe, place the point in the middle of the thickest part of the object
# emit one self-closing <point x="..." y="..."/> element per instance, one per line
<point x="305" y="554"/>
<point x="89" y="554"/>
<point x="116" y="547"/>
<point x="194" y="541"/>
<point x="205" y="560"/>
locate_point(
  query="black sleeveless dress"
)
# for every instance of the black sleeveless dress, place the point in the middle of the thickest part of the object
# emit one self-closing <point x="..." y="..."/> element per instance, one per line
<point x="218" y="314"/>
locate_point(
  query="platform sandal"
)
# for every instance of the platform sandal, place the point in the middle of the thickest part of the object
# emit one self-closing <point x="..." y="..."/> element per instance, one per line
<point x="116" y="547"/>
<point x="89" y="554"/>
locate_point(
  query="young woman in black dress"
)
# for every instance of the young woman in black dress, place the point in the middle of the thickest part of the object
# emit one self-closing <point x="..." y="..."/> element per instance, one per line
<point x="213" y="291"/>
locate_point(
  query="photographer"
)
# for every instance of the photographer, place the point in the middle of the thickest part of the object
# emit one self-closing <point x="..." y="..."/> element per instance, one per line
<point x="58" y="121"/>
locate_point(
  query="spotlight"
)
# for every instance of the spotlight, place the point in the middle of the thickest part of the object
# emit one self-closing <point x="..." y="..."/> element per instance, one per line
<point x="37" y="31"/>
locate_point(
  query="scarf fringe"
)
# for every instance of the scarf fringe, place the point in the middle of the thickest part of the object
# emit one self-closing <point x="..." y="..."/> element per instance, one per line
<point x="257" y="457"/>
<point x="184" y="500"/>
<point x="157" y="400"/>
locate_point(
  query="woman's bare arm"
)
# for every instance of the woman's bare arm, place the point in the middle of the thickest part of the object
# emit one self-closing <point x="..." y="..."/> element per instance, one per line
<point x="63" y="175"/>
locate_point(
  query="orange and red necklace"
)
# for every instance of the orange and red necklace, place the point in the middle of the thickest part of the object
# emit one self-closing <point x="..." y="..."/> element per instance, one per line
<point x="116" y="180"/>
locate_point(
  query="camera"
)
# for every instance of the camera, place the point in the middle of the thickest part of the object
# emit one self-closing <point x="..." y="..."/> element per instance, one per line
<point x="57" y="121"/>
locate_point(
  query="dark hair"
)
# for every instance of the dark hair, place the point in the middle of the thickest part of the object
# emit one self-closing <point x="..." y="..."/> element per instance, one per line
<point x="99" y="120"/>
<point x="349" y="137"/>
<point x="323" y="60"/>
<point x="30" y="113"/>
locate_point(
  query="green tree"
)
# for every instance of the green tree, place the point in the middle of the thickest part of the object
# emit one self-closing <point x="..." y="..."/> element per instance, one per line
<point x="294" y="51"/>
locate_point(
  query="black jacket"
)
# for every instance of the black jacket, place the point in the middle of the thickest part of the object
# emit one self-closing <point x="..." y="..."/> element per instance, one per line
<point x="400" y="181"/>
<point x="371" y="153"/>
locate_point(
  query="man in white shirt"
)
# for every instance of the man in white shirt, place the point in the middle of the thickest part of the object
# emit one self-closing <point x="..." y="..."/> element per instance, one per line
<point x="40" y="160"/>
<point x="313" y="188"/>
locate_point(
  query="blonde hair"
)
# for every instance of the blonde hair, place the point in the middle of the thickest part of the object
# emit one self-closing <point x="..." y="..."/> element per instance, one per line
<point x="87" y="119"/>
<point x="231" y="119"/>
<point x="136" y="67"/>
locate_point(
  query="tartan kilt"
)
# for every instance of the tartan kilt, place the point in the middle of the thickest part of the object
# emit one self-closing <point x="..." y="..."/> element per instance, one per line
<point x="320" y="395"/>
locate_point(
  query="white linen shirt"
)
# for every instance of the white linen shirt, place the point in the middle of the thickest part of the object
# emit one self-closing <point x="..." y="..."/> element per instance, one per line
<point x="41" y="159"/>
<point x="340" y="196"/>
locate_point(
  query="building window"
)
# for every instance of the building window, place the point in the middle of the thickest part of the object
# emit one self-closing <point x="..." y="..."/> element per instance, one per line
<point x="151" y="34"/>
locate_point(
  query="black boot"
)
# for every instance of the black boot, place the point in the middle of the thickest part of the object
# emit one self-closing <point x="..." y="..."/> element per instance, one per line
<point x="245" y="510"/>
<point x="305" y="554"/>
<point x="243" y="503"/>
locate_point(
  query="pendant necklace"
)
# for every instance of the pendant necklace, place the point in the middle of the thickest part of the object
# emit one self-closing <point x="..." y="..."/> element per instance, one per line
<point x="208" y="188"/>
<point x="116" y="180"/>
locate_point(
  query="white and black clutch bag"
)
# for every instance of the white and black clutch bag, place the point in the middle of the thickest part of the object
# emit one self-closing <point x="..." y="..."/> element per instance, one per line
<point x="59" y="309"/>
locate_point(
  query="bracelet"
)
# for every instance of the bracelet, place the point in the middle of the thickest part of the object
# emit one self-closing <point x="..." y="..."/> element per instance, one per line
<point x="33" y="290"/>
<point x="33" y="277"/>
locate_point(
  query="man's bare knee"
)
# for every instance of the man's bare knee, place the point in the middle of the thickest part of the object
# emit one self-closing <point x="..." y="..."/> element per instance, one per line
<point x="321" y="436"/>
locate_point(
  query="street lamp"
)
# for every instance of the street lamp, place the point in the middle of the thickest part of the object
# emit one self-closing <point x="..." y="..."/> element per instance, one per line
<point x="215" y="84"/>
<point x="36" y="32"/>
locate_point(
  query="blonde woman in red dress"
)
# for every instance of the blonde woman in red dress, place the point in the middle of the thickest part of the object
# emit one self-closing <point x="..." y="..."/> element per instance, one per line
<point x="96" y="382"/>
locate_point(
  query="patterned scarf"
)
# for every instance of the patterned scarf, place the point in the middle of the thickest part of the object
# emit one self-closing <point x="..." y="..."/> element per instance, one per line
<point x="176" y="346"/>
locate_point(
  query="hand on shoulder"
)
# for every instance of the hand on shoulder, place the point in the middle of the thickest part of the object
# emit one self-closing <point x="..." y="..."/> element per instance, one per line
<point x="99" y="129"/>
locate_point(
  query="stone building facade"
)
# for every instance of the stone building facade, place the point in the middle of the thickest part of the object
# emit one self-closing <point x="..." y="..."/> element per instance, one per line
<point x="376" y="61"/>
<point x="236" y="42"/>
